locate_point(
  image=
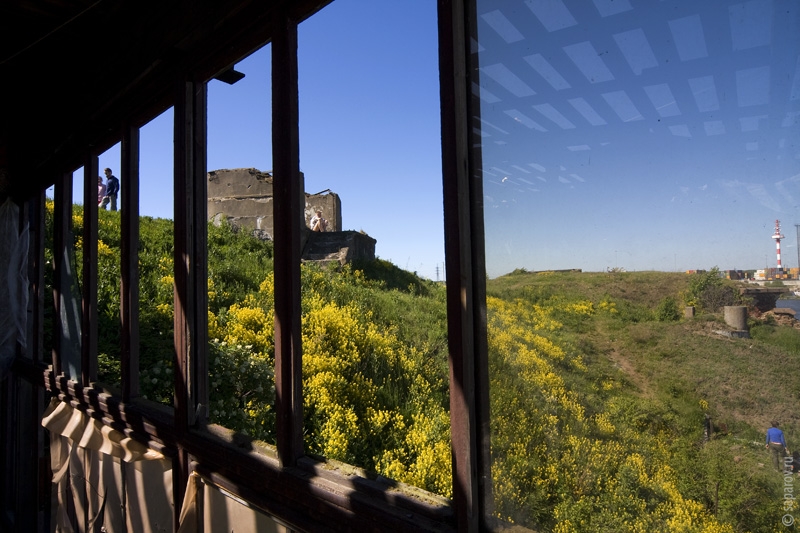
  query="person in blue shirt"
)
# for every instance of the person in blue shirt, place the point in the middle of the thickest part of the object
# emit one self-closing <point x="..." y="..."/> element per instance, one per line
<point x="776" y="443"/>
<point x="112" y="190"/>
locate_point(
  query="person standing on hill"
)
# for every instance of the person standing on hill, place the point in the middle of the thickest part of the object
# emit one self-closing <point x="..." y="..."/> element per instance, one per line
<point x="112" y="190"/>
<point x="776" y="443"/>
<point x="101" y="190"/>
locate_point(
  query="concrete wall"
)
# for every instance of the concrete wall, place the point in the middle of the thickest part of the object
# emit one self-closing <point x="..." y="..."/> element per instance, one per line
<point x="338" y="246"/>
<point x="331" y="206"/>
<point x="243" y="196"/>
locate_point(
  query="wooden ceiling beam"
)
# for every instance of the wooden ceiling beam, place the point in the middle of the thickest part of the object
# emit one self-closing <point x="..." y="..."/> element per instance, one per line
<point x="118" y="63"/>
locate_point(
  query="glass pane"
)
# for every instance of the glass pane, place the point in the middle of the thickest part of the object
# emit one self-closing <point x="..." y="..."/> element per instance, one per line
<point x="108" y="269"/>
<point x="375" y="379"/>
<point x="634" y="155"/>
<point x="71" y="284"/>
<point x="156" y="248"/>
<point x="240" y="268"/>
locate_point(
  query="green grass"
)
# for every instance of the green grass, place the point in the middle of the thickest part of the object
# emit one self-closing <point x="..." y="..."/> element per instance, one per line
<point x="666" y="372"/>
<point x="669" y="368"/>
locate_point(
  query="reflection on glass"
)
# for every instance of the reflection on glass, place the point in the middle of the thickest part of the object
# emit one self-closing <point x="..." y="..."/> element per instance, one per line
<point x="63" y="253"/>
<point x="622" y="145"/>
<point x="374" y="336"/>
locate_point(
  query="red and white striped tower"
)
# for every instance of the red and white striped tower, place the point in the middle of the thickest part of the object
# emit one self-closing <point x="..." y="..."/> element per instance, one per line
<point x="777" y="236"/>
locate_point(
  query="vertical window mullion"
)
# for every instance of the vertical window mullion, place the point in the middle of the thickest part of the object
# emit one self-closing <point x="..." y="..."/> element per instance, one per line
<point x="288" y="215"/>
<point x="190" y="264"/>
<point x="181" y="264"/>
<point x="129" y="284"/>
<point x="89" y="274"/>
<point x="198" y="361"/>
<point x="62" y="221"/>
<point x="463" y="216"/>
<point x="36" y="222"/>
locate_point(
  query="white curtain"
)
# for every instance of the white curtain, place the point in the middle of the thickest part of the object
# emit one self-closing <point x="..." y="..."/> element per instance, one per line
<point x="103" y="478"/>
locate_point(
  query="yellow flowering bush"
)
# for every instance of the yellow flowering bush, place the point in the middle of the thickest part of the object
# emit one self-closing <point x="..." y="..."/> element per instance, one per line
<point x="357" y="381"/>
<point x="241" y="381"/>
<point x="571" y="452"/>
<point x="250" y="326"/>
<point x="558" y="466"/>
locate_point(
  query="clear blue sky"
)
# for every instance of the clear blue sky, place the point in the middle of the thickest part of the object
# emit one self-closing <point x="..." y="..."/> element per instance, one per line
<point x="369" y="126"/>
<point x="620" y="133"/>
<point x="644" y="135"/>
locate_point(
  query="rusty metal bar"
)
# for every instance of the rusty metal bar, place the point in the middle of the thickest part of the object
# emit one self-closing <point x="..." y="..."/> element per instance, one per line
<point x="129" y="267"/>
<point x="463" y="216"/>
<point x="89" y="274"/>
<point x="288" y="215"/>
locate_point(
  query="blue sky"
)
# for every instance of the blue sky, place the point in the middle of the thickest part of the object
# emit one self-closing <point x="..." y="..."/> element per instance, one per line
<point x="369" y="126"/>
<point x="615" y="133"/>
<point x="640" y="135"/>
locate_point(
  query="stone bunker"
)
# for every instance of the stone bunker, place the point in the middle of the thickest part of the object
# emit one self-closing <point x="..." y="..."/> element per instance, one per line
<point x="243" y="197"/>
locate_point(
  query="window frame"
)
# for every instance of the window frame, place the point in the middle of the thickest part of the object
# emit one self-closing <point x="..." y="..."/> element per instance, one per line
<point x="280" y="481"/>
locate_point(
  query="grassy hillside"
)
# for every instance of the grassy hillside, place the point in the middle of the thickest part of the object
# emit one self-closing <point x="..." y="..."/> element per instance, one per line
<point x="744" y="380"/>
<point x="600" y="387"/>
<point x="636" y="391"/>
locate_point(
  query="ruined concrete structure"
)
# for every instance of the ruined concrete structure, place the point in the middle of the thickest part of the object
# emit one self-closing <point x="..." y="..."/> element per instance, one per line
<point x="243" y="197"/>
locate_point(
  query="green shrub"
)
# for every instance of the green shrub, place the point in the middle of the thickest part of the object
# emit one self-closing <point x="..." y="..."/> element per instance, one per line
<point x="710" y="292"/>
<point x="668" y="310"/>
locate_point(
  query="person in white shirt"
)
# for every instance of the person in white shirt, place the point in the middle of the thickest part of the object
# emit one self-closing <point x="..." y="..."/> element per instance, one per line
<point x="318" y="223"/>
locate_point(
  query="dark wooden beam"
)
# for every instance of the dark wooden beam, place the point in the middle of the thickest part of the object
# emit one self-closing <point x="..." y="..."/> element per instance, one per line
<point x="466" y="294"/>
<point x="37" y="229"/>
<point x="129" y="267"/>
<point x="288" y="217"/>
<point x="126" y="77"/>
<point x="182" y="265"/>
<point x="191" y="279"/>
<point x="198" y="363"/>
<point x="89" y="274"/>
<point x="62" y="222"/>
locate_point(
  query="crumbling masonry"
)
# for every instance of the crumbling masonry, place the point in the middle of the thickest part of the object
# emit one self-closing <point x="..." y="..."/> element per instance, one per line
<point x="243" y="197"/>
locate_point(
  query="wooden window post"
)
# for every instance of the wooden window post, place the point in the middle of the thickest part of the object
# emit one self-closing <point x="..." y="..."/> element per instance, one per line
<point x="190" y="360"/>
<point x="466" y="292"/>
<point x="288" y="214"/>
<point x="129" y="267"/>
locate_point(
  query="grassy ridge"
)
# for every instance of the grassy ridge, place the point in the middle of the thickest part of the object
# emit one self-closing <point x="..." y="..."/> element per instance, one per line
<point x="747" y="381"/>
<point x="646" y="387"/>
<point x="599" y="387"/>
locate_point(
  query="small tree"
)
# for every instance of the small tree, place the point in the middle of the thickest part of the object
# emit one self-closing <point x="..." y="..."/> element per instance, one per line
<point x="668" y="310"/>
<point x="710" y="292"/>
